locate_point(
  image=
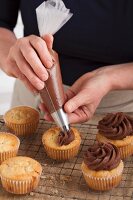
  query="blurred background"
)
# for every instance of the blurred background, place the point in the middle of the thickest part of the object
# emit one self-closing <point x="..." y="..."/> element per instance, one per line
<point x="6" y="82"/>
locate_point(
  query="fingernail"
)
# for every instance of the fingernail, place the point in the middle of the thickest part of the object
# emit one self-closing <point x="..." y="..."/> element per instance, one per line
<point x="40" y="86"/>
<point x="44" y="77"/>
<point x="40" y="106"/>
<point x="46" y="115"/>
<point x="69" y="108"/>
<point x="49" y="63"/>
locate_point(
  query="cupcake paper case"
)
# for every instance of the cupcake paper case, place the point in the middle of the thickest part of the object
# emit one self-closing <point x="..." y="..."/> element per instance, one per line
<point x="117" y="128"/>
<point x="20" y="175"/>
<point x="22" y="120"/>
<point x="9" y="145"/>
<point x="102" y="167"/>
<point x="55" y="146"/>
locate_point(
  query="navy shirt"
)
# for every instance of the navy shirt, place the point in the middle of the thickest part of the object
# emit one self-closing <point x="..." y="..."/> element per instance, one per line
<point x="99" y="33"/>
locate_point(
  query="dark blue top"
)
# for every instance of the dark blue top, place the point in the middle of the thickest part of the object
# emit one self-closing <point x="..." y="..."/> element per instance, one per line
<point x="99" y="33"/>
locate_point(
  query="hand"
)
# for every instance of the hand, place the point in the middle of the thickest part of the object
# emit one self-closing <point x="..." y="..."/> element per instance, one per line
<point x="27" y="60"/>
<point x="84" y="96"/>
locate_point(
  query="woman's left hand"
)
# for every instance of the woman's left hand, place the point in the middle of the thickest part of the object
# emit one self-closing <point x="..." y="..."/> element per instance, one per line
<point x="85" y="95"/>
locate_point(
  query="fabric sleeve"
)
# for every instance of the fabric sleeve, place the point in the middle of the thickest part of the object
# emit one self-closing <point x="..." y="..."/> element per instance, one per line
<point x="9" y="13"/>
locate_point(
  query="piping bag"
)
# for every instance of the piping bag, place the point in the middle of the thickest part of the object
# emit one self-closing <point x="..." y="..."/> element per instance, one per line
<point x="51" y="16"/>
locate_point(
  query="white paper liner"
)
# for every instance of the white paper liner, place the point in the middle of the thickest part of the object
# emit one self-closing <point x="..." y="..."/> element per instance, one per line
<point x="18" y="186"/>
<point x="11" y="153"/>
<point x="22" y="129"/>
<point x="8" y="154"/>
<point x="61" y="154"/>
<point x="104" y="183"/>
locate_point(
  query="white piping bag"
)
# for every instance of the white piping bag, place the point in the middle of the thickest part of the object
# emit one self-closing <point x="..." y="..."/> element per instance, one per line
<point x="51" y="16"/>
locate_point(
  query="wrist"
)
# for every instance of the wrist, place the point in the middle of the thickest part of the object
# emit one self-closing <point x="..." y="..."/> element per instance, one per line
<point x="106" y="73"/>
<point x="118" y="77"/>
<point x="121" y="76"/>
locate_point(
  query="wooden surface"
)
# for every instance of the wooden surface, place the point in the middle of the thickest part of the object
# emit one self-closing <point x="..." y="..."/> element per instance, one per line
<point x="64" y="180"/>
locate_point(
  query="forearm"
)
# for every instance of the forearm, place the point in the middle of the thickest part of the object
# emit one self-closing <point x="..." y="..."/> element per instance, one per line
<point x="120" y="76"/>
<point x="7" y="39"/>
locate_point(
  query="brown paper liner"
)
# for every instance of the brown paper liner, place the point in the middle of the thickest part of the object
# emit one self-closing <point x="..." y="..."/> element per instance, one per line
<point x="125" y="150"/>
<point x="22" y="129"/>
<point x="61" y="154"/>
<point x="19" y="187"/>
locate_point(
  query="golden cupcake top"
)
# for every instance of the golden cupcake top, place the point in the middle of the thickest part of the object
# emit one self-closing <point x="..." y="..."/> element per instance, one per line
<point x="52" y="138"/>
<point x="21" y="114"/>
<point x="20" y="168"/>
<point x="8" y="142"/>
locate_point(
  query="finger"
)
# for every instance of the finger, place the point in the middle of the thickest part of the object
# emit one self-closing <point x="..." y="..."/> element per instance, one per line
<point x="82" y="98"/>
<point x="79" y="116"/>
<point x="33" y="60"/>
<point x="69" y="94"/>
<point x="17" y="74"/>
<point x="25" y="69"/>
<point x="42" y="50"/>
<point x="49" y="40"/>
<point x="47" y="115"/>
<point x="28" y="85"/>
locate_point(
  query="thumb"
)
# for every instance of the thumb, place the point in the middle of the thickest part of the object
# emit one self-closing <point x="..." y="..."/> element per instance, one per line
<point x="77" y="101"/>
<point x="49" y="40"/>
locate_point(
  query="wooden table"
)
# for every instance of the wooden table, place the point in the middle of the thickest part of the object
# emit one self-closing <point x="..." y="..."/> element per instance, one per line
<point x="64" y="180"/>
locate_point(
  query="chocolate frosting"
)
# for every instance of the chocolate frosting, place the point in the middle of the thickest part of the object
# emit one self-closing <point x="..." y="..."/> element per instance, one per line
<point x="116" y="126"/>
<point x="65" y="138"/>
<point x="102" y="156"/>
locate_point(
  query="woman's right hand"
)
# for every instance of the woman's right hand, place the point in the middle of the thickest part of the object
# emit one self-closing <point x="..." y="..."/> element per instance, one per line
<point x="28" y="59"/>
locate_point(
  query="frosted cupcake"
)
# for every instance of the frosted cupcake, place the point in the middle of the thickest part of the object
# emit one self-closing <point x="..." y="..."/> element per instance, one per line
<point x="102" y="167"/>
<point x="20" y="175"/>
<point x="117" y="128"/>
<point x="22" y="120"/>
<point x="61" y="145"/>
<point x="9" y="145"/>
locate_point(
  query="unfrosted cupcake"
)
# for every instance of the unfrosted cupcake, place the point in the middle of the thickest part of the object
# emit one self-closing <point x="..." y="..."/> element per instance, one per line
<point x="117" y="128"/>
<point x="61" y="145"/>
<point x="22" y="120"/>
<point x="102" y="167"/>
<point x="20" y="175"/>
<point x="9" y="145"/>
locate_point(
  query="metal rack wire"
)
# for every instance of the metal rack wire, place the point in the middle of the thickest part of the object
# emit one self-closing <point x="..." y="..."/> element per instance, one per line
<point x="64" y="180"/>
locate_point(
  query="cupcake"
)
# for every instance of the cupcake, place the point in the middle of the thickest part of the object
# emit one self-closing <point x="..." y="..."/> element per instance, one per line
<point x="22" y="120"/>
<point x="9" y="145"/>
<point x="20" y="175"/>
<point x="117" y="129"/>
<point x="102" y="166"/>
<point x="61" y="145"/>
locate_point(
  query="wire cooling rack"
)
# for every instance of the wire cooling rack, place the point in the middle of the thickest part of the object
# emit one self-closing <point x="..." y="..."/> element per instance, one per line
<point x="64" y="180"/>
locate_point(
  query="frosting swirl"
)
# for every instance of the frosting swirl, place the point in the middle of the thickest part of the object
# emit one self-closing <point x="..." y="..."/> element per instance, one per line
<point x="116" y="126"/>
<point x="65" y="138"/>
<point x="102" y="156"/>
